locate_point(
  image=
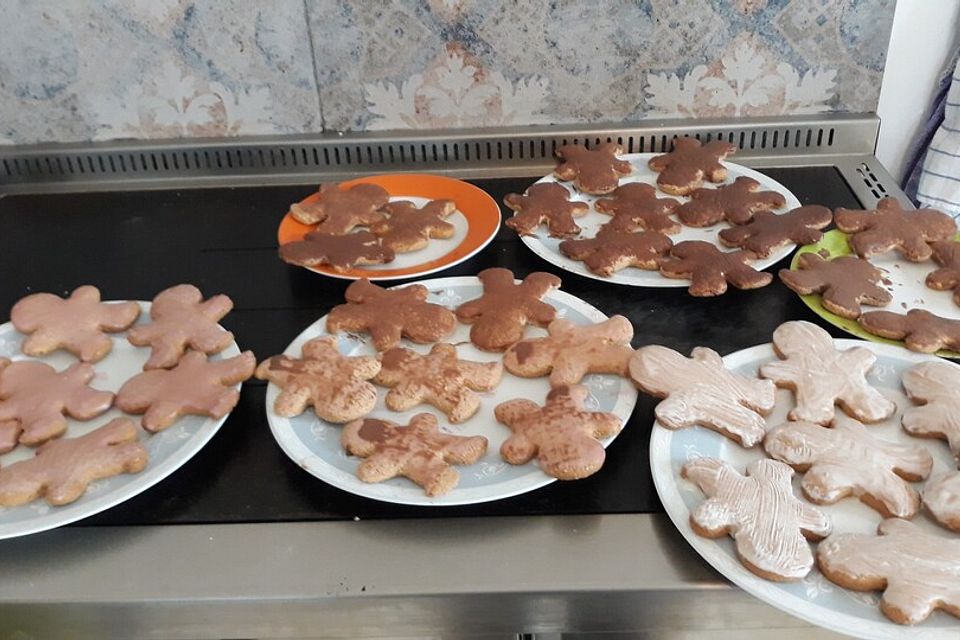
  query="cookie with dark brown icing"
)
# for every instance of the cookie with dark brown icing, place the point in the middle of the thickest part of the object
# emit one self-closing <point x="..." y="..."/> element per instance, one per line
<point x="636" y="207"/>
<point x="710" y="270"/>
<point x="338" y="211"/>
<point x="768" y="231"/>
<point x="888" y="227"/>
<point x="736" y="203"/>
<point x="545" y="203"/>
<point x="595" y="171"/>
<point x="339" y="252"/>
<point x="612" y="250"/>
<point x="410" y="228"/>
<point x="921" y="330"/>
<point x="946" y="253"/>
<point x="689" y="164"/>
<point x="843" y="283"/>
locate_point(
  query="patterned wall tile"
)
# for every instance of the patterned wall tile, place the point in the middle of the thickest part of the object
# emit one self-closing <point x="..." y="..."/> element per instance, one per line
<point x="72" y="70"/>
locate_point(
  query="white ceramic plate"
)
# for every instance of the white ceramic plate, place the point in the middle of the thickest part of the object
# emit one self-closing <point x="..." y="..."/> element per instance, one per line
<point x="168" y="449"/>
<point x="315" y="445"/>
<point x="548" y="248"/>
<point x="815" y="599"/>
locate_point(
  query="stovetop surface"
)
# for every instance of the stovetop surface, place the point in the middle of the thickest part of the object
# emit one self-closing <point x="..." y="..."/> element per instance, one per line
<point x="134" y="244"/>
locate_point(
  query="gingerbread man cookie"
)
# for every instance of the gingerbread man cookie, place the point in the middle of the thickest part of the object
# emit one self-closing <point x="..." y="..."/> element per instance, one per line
<point x="62" y="469"/>
<point x="562" y="435"/>
<point x="338" y="211"/>
<point x="710" y="270"/>
<point x="636" y="207"/>
<point x="846" y="460"/>
<point x="684" y="169"/>
<point x="571" y="351"/>
<point x="410" y="229"/>
<point x="916" y="570"/>
<point x="946" y="253"/>
<point x="389" y="314"/>
<point x="941" y="497"/>
<point x="736" y="203"/>
<point x="613" y="250"/>
<point x="181" y="319"/>
<point x="920" y="330"/>
<point x="768" y="231"/>
<point x="505" y="308"/>
<point x="78" y="324"/>
<point x="768" y="524"/>
<point x="822" y="376"/>
<point x="889" y="226"/>
<point x="545" y="203"/>
<point x="35" y="397"/>
<point x="418" y="451"/>
<point x="439" y="378"/>
<point x="196" y="386"/>
<point x="843" y="283"/>
<point x="596" y="171"/>
<point x="335" y="385"/>
<point x="340" y="253"/>
<point x="700" y="391"/>
<point x="933" y="386"/>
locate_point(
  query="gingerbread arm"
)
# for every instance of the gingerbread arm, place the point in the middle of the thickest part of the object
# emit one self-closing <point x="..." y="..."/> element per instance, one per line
<point x="713" y="518"/>
<point x="481" y="376"/>
<point x="814" y="523"/>
<point x="9" y="435"/>
<point x="117" y="317"/>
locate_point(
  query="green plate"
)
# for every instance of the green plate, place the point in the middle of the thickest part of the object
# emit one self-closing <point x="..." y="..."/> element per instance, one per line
<point x="906" y="287"/>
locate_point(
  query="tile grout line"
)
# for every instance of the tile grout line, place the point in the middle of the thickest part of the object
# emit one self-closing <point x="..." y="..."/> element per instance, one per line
<point x="313" y="62"/>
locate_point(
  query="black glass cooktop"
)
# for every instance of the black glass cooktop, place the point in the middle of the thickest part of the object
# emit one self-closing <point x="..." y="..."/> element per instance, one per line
<point x="134" y="244"/>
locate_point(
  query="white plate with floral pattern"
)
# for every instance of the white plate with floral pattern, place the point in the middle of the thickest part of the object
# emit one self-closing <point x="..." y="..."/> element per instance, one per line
<point x="814" y="599"/>
<point x="315" y="444"/>
<point x="549" y="248"/>
<point x="168" y="449"/>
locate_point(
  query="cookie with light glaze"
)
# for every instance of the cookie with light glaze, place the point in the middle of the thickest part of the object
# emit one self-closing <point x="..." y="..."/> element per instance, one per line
<point x="917" y="571"/>
<point x="439" y="378"/>
<point x="340" y="253"/>
<point x="613" y="250"/>
<point x="941" y="497"/>
<point x="920" y="330"/>
<point x="335" y="385"/>
<point x="636" y="207"/>
<point x="736" y="203"/>
<point x="710" y="270"/>
<point x="689" y="164"/>
<point x="562" y="435"/>
<point x="62" y="469"/>
<point x="843" y="283"/>
<point x="418" y="451"/>
<point x="822" y="376"/>
<point x="596" y="171"/>
<point x="768" y="231"/>
<point x="499" y="315"/>
<point x="572" y="351"/>
<point x="338" y="211"/>
<point x="846" y="460"/>
<point x="196" y="386"/>
<point x="35" y="398"/>
<point x="545" y="203"/>
<point x="888" y="227"/>
<point x="699" y="390"/>
<point x="769" y="525"/>
<point x="934" y="387"/>
<point x="181" y="319"/>
<point x="409" y="228"/>
<point x="391" y="314"/>
<point x="946" y="253"/>
<point x="79" y="324"/>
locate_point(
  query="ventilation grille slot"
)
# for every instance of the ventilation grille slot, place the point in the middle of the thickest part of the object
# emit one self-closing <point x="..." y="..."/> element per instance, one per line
<point x="871" y="181"/>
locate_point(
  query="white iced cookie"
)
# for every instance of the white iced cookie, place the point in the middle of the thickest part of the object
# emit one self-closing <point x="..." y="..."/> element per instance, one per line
<point x="935" y="386"/>
<point x="917" y="571"/>
<point x="769" y="525"/>
<point x="699" y="390"/>
<point x="941" y="497"/>
<point x="846" y="460"/>
<point x="822" y="376"/>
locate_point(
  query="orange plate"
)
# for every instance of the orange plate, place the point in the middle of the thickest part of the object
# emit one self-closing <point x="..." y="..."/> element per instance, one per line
<point x="480" y="210"/>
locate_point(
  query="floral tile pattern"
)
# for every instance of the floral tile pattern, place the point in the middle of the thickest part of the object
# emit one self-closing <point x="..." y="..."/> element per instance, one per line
<point x="172" y="68"/>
